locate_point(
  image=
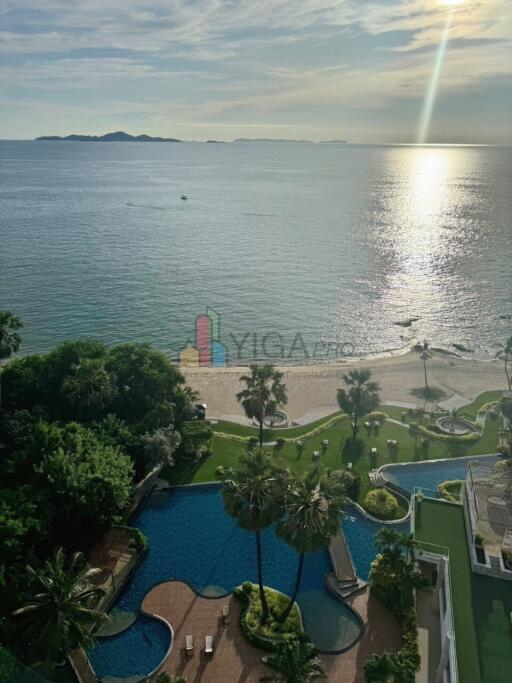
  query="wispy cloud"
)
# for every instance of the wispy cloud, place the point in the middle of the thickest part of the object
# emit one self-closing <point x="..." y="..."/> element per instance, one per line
<point x="245" y="57"/>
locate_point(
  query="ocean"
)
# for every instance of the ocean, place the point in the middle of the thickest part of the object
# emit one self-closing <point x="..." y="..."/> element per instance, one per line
<point x="307" y="252"/>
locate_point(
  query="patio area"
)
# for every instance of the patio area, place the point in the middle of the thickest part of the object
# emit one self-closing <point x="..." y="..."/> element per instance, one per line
<point x="234" y="659"/>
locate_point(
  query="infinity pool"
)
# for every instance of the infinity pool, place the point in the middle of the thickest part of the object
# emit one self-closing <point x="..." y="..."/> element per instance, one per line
<point x="191" y="538"/>
<point x="429" y="474"/>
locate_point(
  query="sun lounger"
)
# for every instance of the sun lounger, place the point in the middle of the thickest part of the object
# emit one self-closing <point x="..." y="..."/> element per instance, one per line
<point x="189" y="645"/>
<point x="208" y="645"/>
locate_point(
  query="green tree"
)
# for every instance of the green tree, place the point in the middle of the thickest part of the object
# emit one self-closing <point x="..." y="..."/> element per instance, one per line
<point x="90" y="387"/>
<point x="505" y="353"/>
<point x="264" y="392"/>
<point x="87" y="481"/>
<point x="294" y="661"/>
<point x="145" y="379"/>
<point x="60" y="615"/>
<point x="252" y="495"/>
<point x="360" y="397"/>
<point x="160" y="446"/>
<point x="10" y="338"/>
<point x="393" y="575"/>
<point x="313" y="505"/>
<point x="167" y="678"/>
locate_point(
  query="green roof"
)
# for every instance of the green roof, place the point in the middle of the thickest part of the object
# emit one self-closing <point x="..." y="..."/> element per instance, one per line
<point x="482" y="605"/>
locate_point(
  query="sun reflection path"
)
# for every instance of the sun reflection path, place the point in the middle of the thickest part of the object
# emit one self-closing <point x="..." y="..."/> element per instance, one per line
<point x="430" y="97"/>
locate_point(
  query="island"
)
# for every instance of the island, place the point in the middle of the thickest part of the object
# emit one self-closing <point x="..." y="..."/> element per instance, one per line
<point x="118" y="136"/>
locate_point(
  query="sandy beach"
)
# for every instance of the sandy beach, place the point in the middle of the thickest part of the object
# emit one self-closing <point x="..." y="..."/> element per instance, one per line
<point x="312" y="389"/>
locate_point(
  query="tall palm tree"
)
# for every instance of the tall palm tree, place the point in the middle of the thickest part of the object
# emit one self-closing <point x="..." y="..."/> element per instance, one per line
<point x="91" y="387"/>
<point x="60" y="616"/>
<point x="294" y="661"/>
<point x="425" y="353"/>
<point x="313" y="506"/>
<point x="360" y="397"/>
<point x="263" y="393"/>
<point x="252" y="495"/>
<point x="505" y="353"/>
<point x="10" y="339"/>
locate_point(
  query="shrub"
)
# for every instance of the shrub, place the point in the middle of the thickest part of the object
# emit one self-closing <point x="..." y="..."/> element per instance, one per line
<point x="280" y="441"/>
<point x="377" y="415"/>
<point x="195" y="435"/>
<point x="450" y="490"/>
<point x="267" y="636"/>
<point x="507" y="559"/>
<point x="420" y="430"/>
<point x="381" y="503"/>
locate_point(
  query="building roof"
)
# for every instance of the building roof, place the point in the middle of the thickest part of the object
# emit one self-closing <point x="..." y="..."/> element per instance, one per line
<point x="482" y="605"/>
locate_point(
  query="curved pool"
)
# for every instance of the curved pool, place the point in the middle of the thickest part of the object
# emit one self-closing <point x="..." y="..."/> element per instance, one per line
<point x="193" y="539"/>
<point x="430" y="473"/>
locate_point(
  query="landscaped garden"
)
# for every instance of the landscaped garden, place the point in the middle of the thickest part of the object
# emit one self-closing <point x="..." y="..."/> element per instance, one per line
<point x="294" y="446"/>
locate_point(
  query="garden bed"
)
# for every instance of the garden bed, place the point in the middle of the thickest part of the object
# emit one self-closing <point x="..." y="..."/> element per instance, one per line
<point x="267" y="636"/>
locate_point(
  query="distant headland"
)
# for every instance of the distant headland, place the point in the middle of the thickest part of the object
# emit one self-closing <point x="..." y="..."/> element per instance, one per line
<point x="118" y="136"/>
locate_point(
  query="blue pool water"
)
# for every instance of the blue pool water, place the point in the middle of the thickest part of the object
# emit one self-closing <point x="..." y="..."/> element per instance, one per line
<point x="431" y="473"/>
<point x="193" y="539"/>
<point x="360" y="532"/>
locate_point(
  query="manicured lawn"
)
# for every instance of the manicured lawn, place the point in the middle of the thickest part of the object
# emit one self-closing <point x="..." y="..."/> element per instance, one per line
<point x="225" y="427"/>
<point x="226" y="450"/>
<point x="482" y="605"/>
<point x="470" y="411"/>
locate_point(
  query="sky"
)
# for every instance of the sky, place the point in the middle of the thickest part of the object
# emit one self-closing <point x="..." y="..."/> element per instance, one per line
<point x="222" y="69"/>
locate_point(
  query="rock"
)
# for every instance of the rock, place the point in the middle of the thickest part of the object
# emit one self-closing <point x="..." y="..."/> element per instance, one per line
<point x="462" y="348"/>
<point x="406" y="323"/>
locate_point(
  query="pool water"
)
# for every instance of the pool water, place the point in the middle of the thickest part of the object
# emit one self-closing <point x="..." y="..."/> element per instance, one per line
<point x="429" y="474"/>
<point x="360" y="533"/>
<point x="193" y="539"/>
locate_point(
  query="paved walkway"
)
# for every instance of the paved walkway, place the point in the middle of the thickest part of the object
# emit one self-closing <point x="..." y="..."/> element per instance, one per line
<point x="235" y="660"/>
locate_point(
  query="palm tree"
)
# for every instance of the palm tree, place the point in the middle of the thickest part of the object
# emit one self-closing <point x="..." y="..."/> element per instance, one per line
<point x="10" y="339"/>
<point x="361" y="397"/>
<point x="91" y="387"/>
<point x="505" y="353"/>
<point x="60" y="616"/>
<point x="425" y="354"/>
<point x="252" y="495"/>
<point x="294" y="661"/>
<point x="313" y="506"/>
<point x="263" y="393"/>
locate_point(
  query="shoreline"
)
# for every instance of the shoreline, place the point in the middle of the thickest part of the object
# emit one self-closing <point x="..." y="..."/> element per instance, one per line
<point x="312" y="387"/>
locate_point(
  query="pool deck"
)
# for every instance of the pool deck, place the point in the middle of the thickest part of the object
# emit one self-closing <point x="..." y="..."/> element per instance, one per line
<point x="235" y="659"/>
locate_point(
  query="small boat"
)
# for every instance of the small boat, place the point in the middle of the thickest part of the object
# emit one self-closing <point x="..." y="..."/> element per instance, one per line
<point x="183" y="196"/>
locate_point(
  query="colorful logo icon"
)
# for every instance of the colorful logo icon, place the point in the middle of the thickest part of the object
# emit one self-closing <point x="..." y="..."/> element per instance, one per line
<point x="208" y="351"/>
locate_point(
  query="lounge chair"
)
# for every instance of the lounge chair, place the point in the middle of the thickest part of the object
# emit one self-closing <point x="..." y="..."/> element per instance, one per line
<point x="189" y="645"/>
<point x="225" y="613"/>
<point x="208" y="645"/>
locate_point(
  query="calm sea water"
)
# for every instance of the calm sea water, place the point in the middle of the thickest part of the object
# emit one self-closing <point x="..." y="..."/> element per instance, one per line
<point x="324" y="245"/>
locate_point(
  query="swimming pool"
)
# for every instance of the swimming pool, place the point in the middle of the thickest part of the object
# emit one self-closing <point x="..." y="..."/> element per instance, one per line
<point x="429" y="474"/>
<point x="192" y="538"/>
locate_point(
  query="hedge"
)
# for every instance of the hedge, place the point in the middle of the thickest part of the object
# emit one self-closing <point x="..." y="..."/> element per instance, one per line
<point x="416" y="428"/>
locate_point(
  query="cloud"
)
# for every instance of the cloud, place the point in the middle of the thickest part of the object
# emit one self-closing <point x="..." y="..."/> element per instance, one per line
<point x="214" y="58"/>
